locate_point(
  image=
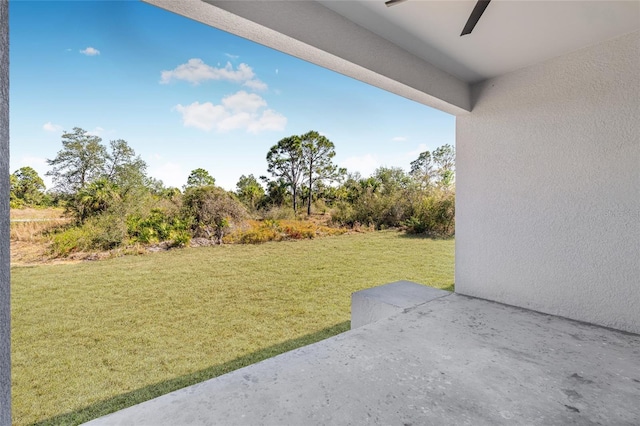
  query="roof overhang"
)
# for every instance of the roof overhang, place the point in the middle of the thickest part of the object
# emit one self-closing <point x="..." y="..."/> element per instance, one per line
<point x="414" y="49"/>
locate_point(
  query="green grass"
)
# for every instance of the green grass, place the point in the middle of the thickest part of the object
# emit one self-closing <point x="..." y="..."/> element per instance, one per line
<point x="95" y="337"/>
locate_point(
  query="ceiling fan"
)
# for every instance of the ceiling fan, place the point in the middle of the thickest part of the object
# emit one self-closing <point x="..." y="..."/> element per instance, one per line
<point x="477" y="12"/>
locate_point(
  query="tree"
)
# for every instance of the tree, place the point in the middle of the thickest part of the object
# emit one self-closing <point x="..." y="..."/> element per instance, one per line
<point x="13" y="199"/>
<point x="317" y="154"/>
<point x="445" y="158"/>
<point x="391" y="180"/>
<point x="285" y="161"/>
<point x="249" y="190"/>
<point x="27" y="186"/>
<point x="81" y="160"/>
<point x="276" y="193"/>
<point x="422" y="168"/>
<point x="123" y="167"/>
<point x="199" y="177"/>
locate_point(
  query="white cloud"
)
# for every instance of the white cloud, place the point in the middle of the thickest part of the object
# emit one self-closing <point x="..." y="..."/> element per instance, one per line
<point x="269" y="120"/>
<point x="241" y="110"/>
<point x="365" y="164"/>
<point x="203" y="116"/>
<point x="255" y="84"/>
<point x="399" y="139"/>
<point x="90" y="51"/>
<point x="230" y="56"/>
<point x="195" y="71"/>
<point x="50" y="127"/>
<point x="243" y="101"/>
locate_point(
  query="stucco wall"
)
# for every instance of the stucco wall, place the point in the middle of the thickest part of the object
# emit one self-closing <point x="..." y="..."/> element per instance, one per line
<point x="548" y="187"/>
<point x="5" y="312"/>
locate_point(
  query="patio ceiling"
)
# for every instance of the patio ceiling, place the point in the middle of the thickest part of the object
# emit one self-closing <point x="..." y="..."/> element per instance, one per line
<point x="510" y="34"/>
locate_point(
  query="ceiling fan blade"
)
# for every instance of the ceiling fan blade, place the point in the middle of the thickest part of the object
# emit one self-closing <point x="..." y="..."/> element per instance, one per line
<point x="390" y="3"/>
<point x="477" y="12"/>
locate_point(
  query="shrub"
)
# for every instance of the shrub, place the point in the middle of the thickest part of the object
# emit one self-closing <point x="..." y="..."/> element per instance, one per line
<point x="69" y="241"/>
<point x="180" y="238"/>
<point x="214" y="211"/>
<point x="106" y="231"/>
<point x="255" y="232"/>
<point x="433" y="214"/>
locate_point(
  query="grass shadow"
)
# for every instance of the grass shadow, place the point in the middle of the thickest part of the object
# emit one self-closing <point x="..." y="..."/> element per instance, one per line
<point x="427" y="236"/>
<point x="137" y="396"/>
<point x="451" y="288"/>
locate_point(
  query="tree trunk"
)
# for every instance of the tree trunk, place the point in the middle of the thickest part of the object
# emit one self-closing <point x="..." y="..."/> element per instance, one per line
<point x="310" y="186"/>
<point x="309" y="201"/>
<point x="294" y="198"/>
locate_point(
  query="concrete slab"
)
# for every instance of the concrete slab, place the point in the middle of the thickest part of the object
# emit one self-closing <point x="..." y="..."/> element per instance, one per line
<point x="453" y="361"/>
<point x="373" y="304"/>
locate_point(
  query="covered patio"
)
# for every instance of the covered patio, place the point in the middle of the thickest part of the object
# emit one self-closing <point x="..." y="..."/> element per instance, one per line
<point x="543" y="327"/>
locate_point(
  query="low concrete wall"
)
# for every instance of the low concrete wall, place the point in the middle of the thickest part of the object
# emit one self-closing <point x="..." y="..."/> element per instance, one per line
<point x="373" y="304"/>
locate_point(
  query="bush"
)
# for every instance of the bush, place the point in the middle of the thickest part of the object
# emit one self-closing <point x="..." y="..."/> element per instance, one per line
<point x="106" y="231"/>
<point x="69" y="241"/>
<point x="180" y="238"/>
<point x="214" y="211"/>
<point x="372" y="209"/>
<point x="255" y="232"/>
<point x="433" y="214"/>
<point x="155" y="227"/>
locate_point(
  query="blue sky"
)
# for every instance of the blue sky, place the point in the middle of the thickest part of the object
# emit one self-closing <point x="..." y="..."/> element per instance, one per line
<point x="185" y="95"/>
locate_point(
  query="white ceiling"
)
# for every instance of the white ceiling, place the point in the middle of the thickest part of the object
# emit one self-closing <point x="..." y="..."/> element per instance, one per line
<point x="511" y="34"/>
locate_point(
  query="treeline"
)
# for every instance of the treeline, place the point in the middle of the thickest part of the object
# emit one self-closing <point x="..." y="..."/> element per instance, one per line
<point x="105" y="189"/>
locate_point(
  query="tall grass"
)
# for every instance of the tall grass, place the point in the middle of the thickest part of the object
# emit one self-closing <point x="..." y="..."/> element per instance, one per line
<point x="34" y="232"/>
<point x="31" y="213"/>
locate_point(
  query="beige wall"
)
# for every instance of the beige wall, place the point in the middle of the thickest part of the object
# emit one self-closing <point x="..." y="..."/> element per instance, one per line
<point x="548" y="187"/>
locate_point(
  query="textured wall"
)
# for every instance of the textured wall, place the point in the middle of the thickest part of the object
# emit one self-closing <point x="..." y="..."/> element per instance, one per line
<point x="548" y="187"/>
<point x="5" y="312"/>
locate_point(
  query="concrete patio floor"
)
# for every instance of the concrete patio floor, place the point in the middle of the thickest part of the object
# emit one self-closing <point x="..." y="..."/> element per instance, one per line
<point x="455" y="360"/>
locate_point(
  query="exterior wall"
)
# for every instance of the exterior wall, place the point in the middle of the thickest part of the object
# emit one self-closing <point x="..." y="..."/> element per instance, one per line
<point x="548" y="187"/>
<point x="5" y="311"/>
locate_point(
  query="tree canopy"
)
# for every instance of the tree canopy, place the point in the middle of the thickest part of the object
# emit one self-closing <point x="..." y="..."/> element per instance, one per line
<point x="81" y="160"/>
<point x="285" y="161"/>
<point x="249" y="190"/>
<point x="317" y="156"/>
<point x="199" y="177"/>
<point x="26" y="186"/>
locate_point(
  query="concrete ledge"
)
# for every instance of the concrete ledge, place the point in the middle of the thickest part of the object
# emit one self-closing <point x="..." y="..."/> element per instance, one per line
<point x="381" y="302"/>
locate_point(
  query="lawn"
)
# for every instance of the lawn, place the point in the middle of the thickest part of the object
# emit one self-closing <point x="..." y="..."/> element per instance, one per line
<point x="94" y="337"/>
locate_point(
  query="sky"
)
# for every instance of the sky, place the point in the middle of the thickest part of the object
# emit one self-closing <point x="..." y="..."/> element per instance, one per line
<point x="185" y="95"/>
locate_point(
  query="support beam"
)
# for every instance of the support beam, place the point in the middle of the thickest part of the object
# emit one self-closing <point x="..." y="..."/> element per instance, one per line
<point x="5" y="294"/>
